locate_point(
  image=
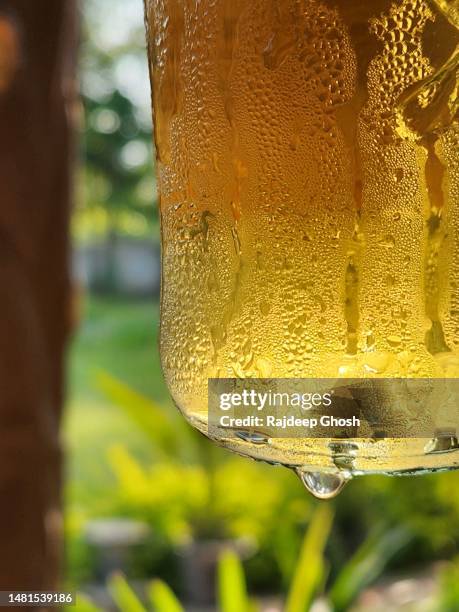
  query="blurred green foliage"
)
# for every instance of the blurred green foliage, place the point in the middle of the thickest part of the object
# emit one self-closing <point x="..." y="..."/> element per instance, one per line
<point x="310" y="568"/>
<point x="232" y="588"/>
<point x="163" y="598"/>
<point x="366" y="565"/>
<point x="448" y="600"/>
<point x="116" y="182"/>
<point x="307" y="582"/>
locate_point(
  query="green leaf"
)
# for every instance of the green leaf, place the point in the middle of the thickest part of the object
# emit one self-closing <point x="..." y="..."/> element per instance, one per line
<point x="310" y="567"/>
<point x="123" y="596"/>
<point x="162" y="598"/>
<point x="366" y="565"/>
<point x="286" y="549"/>
<point x="152" y="419"/>
<point x="128" y="471"/>
<point x="232" y="591"/>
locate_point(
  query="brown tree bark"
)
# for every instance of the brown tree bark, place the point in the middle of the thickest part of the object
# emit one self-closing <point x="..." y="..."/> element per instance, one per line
<point x="37" y="70"/>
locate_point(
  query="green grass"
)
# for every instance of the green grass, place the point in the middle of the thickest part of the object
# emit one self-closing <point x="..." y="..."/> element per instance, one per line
<point x="122" y="338"/>
<point x="119" y="337"/>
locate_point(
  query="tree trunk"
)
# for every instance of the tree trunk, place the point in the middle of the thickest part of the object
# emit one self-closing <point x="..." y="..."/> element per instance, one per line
<point x="37" y="61"/>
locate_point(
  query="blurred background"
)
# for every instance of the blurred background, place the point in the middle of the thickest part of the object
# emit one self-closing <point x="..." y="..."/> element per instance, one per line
<point x="155" y="516"/>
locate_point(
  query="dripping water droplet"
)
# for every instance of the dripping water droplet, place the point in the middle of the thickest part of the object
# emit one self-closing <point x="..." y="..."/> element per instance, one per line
<point x="323" y="485"/>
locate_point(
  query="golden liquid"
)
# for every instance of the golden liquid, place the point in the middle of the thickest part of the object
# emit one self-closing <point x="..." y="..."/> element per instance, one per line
<point x="309" y="177"/>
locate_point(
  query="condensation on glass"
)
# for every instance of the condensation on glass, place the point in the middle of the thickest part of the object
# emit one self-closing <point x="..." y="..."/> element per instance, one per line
<point x="308" y="170"/>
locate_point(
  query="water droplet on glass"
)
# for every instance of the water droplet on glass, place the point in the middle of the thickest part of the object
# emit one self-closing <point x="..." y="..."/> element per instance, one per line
<point x="253" y="437"/>
<point x="323" y="485"/>
<point x="388" y="242"/>
<point x="294" y="142"/>
<point x="442" y="443"/>
<point x="263" y="367"/>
